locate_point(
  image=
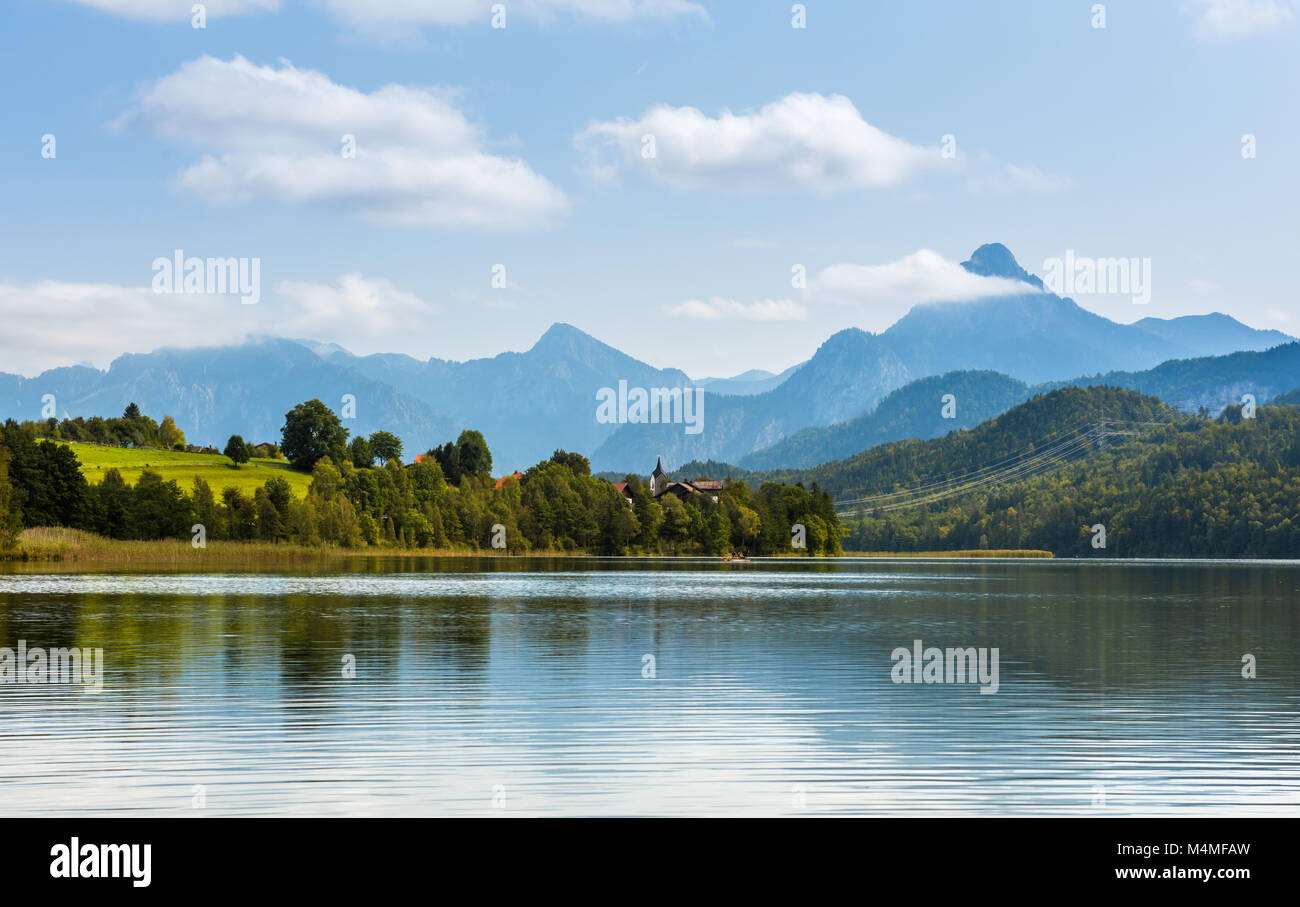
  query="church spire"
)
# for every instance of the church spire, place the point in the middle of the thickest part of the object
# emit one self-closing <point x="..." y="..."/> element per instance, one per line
<point x="658" y="478"/>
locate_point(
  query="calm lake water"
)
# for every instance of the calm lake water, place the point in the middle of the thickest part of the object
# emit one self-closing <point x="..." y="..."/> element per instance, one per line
<point x="517" y="687"/>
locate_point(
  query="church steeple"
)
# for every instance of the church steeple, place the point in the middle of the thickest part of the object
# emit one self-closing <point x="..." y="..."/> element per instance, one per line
<point x="658" y="478"/>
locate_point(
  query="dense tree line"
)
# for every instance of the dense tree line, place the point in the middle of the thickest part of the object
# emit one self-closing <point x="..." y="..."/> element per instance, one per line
<point x="1017" y="432"/>
<point x="447" y="499"/>
<point x="132" y="429"/>
<point x="44" y="483"/>
<point x="1198" y="488"/>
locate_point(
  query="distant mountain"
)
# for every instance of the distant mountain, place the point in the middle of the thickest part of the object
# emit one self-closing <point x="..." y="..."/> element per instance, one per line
<point x="849" y="373"/>
<point x="995" y="260"/>
<point x="1213" y="382"/>
<point x="1033" y="337"/>
<point x="215" y="392"/>
<point x="529" y="403"/>
<point x="754" y="381"/>
<point x="1290" y="398"/>
<point x="1210" y="335"/>
<point x="915" y="410"/>
<point x="525" y="404"/>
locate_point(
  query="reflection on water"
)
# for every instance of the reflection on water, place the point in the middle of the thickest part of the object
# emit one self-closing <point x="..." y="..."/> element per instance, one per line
<point x="516" y="686"/>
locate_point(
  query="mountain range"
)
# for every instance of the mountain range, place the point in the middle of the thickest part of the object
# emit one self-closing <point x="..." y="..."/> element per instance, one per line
<point x="1034" y="337"/>
<point x="989" y="353"/>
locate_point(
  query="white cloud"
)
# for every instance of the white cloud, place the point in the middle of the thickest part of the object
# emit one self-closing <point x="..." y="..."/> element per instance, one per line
<point x="380" y="14"/>
<point x="179" y="10"/>
<point x="887" y="292"/>
<point x="986" y="175"/>
<point x="277" y="134"/>
<point x="52" y="323"/>
<point x="801" y="141"/>
<point x="719" y="308"/>
<point x="354" y="308"/>
<point x="388" y="15"/>
<point x="1027" y="176"/>
<point x="367" y="315"/>
<point x="1222" y="20"/>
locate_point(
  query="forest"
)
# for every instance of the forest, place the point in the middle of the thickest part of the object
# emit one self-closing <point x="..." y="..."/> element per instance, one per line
<point x="447" y="499"/>
<point x="1181" y="486"/>
<point x="1080" y="472"/>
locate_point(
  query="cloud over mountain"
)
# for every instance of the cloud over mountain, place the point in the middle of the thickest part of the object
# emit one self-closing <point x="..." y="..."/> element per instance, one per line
<point x="886" y="292"/>
<point x="369" y="314"/>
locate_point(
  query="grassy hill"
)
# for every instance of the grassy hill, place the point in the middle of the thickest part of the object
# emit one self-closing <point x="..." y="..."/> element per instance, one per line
<point x="96" y="460"/>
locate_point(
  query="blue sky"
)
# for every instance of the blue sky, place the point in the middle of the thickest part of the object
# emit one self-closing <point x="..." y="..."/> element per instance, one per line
<point x="520" y="146"/>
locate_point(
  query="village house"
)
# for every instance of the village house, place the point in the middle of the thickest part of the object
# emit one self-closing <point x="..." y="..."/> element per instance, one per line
<point x="661" y="484"/>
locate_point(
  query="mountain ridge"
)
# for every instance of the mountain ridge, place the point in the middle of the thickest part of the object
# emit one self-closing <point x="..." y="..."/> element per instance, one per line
<point x="528" y="403"/>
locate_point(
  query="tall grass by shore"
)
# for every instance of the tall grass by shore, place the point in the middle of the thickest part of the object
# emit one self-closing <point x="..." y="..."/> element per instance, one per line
<point x="73" y="547"/>
<point x="971" y="553"/>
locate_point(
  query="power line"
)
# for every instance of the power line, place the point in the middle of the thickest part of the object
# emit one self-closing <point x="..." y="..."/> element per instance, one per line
<point x="997" y="468"/>
<point x="1014" y="468"/>
<point x="1030" y="467"/>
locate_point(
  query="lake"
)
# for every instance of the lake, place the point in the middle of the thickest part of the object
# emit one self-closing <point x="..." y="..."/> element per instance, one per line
<point x="565" y="686"/>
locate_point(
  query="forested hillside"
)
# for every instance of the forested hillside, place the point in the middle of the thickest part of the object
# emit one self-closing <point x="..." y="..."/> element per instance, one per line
<point x="1211" y="382"/>
<point x="913" y="411"/>
<point x="1192" y="488"/>
<point x="1052" y="424"/>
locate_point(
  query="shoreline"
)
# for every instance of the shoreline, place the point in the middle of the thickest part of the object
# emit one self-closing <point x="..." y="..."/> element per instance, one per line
<point x="60" y="548"/>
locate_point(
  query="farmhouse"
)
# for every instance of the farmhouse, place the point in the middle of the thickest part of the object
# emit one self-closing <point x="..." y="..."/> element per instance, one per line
<point x="661" y="484"/>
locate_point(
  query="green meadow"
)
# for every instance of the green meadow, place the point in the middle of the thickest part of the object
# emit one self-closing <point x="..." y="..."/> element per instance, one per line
<point x="184" y="468"/>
